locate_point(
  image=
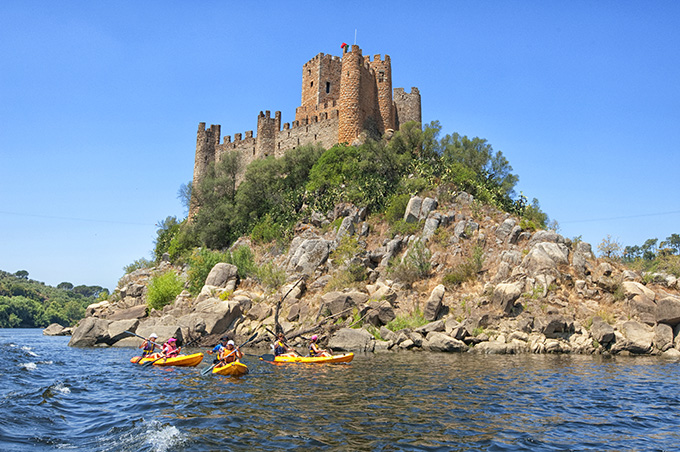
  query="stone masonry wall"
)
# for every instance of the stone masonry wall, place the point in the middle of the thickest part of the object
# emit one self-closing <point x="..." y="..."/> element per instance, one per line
<point x="341" y="96"/>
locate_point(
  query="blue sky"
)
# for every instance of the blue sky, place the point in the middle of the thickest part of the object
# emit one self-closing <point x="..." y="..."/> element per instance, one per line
<point x="100" y="103"/>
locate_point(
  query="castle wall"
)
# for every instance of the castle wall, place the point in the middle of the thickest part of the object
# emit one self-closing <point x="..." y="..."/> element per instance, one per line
<point x="408" y="106"/>
<point x="321" y="129"/>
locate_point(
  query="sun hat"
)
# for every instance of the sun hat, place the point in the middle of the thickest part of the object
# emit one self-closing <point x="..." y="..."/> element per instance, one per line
<point x="315" y="337"/>
<point x="154" y="335"/>
<point x="172" y="339"/>
<point x="230" y="343"/>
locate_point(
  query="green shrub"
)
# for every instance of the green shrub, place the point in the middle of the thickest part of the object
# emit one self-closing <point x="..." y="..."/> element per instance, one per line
<point x="201" y="262"/>
<point x="138" y="264"/>
<point x="414" y="320"/>
<point x="396" y="208"/>
<point x="267" y="231"/>
<point x="163" y="289"/>
<point x="415" y="266"/>
<point x="403" y="228"/>
<point x="467" y="270"/>
<point x="244" y="260"/>
<point x="271" y="276"/>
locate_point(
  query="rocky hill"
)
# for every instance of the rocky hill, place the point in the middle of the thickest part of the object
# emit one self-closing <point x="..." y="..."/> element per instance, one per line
<point x="463" y="277"/>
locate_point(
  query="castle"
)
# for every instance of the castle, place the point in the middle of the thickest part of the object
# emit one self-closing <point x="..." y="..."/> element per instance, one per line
<point x="341" y="97"/>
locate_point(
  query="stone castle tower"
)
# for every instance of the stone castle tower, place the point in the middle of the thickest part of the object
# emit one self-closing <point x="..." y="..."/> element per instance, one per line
<point x="341" y="97"/>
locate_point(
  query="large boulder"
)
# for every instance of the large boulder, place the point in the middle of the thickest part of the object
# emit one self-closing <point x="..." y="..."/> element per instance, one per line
<point x="90" y="331"/>
<point x="348" y="339"/>
<point x="218" y="315"/>
<point x="135" y="312"/>
<point x="412" y="213"/>
<point x="117" y="329"/>
<point x="546" y="256"/>
<point x="223" y="275"/>
<point x="634" y="337"/>
<point x="601" y="331"/>
<point x="643" y="309"/>
<point x="504" y="230"/>
<point x="632" y="288"/>
<point x="309" y="255"/>
<point x="440" y="342"/>
<point x="505" y="295"/>
<point x="337" y="303"/>
<point x="433" y="307"/>
<point x="427" y="206"/>
<point x="54" y="330"/>
<point x="663" y="336"/>
<point x="668" y="311"/>
<point x="380" y="313"/>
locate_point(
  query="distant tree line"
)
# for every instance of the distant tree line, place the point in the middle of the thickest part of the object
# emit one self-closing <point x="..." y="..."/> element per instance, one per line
<point x="651" y="256"/>
<point x="25" y="303"/>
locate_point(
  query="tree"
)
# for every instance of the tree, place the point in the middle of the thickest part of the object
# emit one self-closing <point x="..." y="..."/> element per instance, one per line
<point x="167" y="229"/>
<point x="673" y="242"/>
<point x="184" y="195"/>
<point x="649" y="249"/>
<point x="23" y="274"/>
<point x="609" y="248"/>
<point x="65" y="286"/>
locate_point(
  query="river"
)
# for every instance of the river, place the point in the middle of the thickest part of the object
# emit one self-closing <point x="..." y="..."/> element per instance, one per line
<point x="54" y="397"/>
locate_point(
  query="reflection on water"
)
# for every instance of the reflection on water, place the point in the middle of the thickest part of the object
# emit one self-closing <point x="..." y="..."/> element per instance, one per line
<point x="94" y="399"/>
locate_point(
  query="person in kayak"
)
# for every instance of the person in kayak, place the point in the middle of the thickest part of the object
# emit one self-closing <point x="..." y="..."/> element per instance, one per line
<point x="149" y="345"/>
<point x="281" y="348"/>
<point x="229" y="354"/>
<point x="170" y="349"/>
<point x="218" y="348"/>
<point x="314" y="349"/>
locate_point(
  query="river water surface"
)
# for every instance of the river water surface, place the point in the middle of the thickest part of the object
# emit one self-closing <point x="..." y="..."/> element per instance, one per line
<point x="53" y="397"/>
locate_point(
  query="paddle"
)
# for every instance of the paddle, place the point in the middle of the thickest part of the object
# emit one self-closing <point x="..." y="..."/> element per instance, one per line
<point x="207" y="370"/>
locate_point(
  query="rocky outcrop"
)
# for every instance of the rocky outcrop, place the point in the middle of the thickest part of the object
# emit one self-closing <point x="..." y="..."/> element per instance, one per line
<point x="487" y="286"/>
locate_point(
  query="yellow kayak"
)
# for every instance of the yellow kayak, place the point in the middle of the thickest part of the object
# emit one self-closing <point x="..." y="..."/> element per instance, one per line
<point x="235" y="369"/>
<point x="344" y="358"/>
<point x="181" y="360"/>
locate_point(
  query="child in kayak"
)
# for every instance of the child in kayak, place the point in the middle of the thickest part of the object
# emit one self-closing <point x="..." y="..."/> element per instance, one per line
<point x="149" y="345"/>
<point x="170" y="349"/>
<point x="218" y="348"/>
<point x="229" y="354"/>
<point x="314" y="349"/>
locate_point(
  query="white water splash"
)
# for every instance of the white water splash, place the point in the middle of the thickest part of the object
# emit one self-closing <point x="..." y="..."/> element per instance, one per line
<point x="28" y="350"/>
<point x="29" y="366"/>
<point x="162" y="439"/>
<point x="62" y="388"/>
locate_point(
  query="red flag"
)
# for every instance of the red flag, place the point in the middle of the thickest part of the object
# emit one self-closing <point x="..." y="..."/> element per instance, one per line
<point x="343" y="45"/>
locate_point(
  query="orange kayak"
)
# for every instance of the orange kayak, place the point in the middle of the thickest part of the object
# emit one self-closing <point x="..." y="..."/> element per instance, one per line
<point x="181" y="360"/>
<point x="235" y="369"/>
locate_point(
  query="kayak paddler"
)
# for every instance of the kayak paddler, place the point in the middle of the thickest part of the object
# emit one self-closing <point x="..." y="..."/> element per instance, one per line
<point x="226" y="356"/>
<point x="170" y="349"/>
<point x="314" y="349"/>
<point x="149" y="345"/>
<point x="280" y="347"/>
<point x="218" y="348"/>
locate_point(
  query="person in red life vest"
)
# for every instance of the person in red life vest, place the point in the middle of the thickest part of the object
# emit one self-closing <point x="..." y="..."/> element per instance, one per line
<point x="229" y="354"/>
<point x="281" y="348"/>
<point x="149" y="345"/>
<point x="170" y="349"/>
<point x="314" y="349"/>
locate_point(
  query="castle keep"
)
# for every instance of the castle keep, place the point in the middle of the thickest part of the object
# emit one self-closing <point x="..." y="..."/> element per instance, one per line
<point x="341" y="97"/>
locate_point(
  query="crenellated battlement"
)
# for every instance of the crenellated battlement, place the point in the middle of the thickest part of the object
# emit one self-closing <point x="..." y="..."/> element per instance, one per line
<point x="341" y="95"/>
